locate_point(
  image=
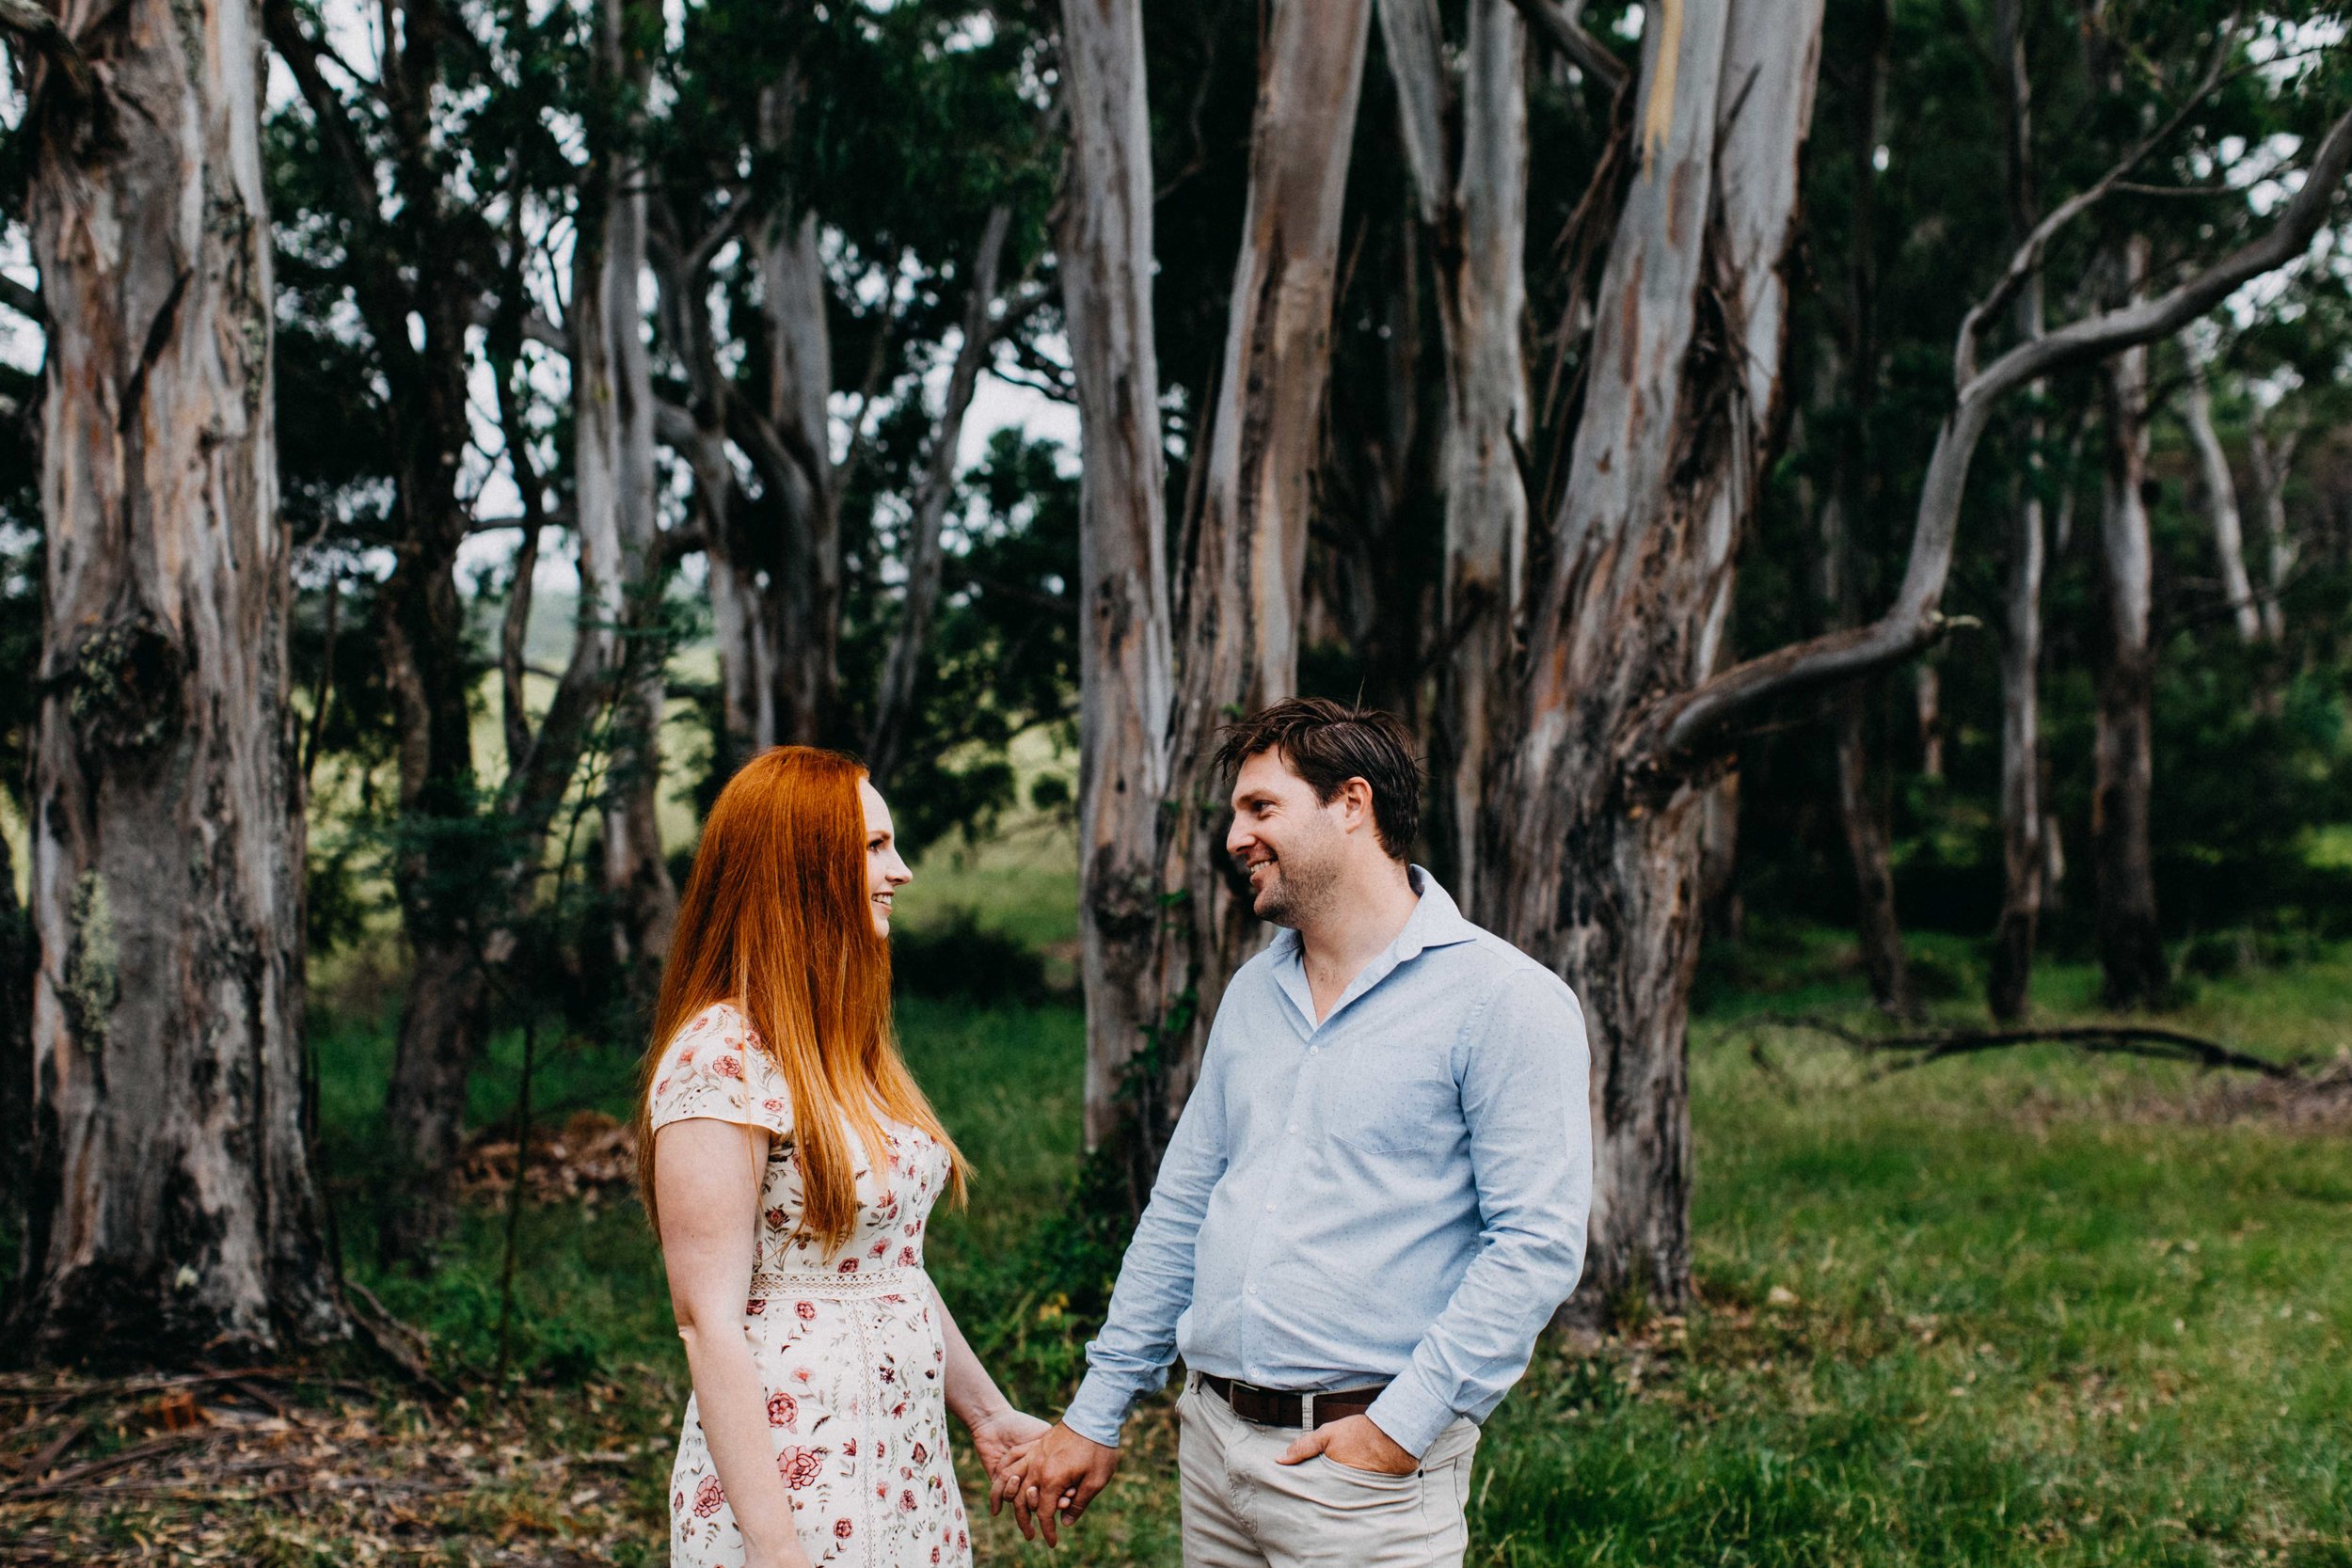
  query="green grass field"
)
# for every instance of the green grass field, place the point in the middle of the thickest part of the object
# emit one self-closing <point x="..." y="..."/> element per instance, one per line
<point x="2024" y="1307"/>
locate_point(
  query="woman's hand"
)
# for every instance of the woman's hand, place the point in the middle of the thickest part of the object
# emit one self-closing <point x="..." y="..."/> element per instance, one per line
<point x="999" y="1436"/>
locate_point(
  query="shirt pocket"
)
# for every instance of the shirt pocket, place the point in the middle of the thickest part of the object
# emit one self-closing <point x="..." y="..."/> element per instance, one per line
<point x="1394" y="1104"/>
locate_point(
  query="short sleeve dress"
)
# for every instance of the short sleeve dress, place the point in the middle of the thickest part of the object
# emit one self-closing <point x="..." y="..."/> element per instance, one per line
<point x="852" y="1363"/>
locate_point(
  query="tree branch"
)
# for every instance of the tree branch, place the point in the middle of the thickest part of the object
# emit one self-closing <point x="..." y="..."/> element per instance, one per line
<point x="1934" y="1045"/>
<point x="1556" y="24"/>
<point x="16" y="296"/>
<point x="1683" y="724"/>
<point x="2029" y="258"/>
<point x="40" y="33"/>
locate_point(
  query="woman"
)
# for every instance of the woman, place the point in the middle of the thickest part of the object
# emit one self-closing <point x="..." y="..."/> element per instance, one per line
<point x="789" y="1163"/>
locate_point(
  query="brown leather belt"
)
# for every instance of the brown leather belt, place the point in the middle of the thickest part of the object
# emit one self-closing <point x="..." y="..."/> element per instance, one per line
<point x="1272" y="1407"/>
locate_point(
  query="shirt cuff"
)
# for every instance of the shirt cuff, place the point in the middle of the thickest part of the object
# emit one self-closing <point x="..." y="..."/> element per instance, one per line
<point x="1098" y="1409"/>
<point x="1411" y="1415"/>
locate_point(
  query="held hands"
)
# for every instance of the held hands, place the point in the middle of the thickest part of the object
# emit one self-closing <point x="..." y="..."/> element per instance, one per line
<point x="1054" y="1476"/>
<point x="1355" y="1442"/>
<point x="997" y="1437"/>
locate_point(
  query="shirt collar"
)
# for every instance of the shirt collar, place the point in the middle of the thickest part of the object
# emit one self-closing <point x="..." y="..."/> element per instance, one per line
<point x="1435" y="921"/>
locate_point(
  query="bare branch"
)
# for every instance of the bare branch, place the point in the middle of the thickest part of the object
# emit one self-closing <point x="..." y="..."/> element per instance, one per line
<point x="16" y="296"/>
<point x="1681" y="725"/>
<point x="1556" y="24"/>
<point x="2029" y="258"/>
<point x="1934" y="1045"/>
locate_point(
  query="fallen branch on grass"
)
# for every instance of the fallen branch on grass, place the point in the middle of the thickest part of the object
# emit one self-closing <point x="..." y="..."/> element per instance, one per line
<point x="2121" y="1039"/>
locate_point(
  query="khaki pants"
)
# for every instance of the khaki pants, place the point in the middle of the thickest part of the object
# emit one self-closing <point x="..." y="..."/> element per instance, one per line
<point x="1242" y="1510"/>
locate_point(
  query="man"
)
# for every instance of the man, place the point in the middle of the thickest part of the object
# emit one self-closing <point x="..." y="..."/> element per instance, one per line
<point x="1372" y="1203"/>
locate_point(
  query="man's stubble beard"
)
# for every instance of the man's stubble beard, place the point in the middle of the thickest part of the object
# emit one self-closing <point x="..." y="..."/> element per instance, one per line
<point x="1304" y="888"/>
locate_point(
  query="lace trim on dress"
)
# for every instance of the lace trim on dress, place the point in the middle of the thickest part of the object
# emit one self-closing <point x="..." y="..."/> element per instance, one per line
<point x="829" y="1284"/>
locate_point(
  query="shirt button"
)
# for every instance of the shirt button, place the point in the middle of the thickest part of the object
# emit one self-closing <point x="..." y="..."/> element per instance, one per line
<point x="1314" y="1051"/>
<point x="1291" y="1128"/>
<point x="1269" y="1208"/>
<point x="1253" y="1290"/>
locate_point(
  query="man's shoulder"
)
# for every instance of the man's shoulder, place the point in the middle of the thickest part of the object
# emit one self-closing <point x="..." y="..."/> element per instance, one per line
<point x="1492" y="968"/>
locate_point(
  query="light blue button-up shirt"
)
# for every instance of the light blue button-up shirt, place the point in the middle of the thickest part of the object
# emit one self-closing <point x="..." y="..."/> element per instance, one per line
<point x="1397" y="1194"/>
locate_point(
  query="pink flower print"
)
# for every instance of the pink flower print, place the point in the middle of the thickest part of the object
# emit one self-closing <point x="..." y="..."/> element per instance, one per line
<point x="775" y="1219"/>
<point x="661" y="1088"/>
<point x="906" y="1502"/>
<point x="843" y="1529"/>
<point x="849" y="1265"/>
<point x="773" y="1107"/>
<point x="708" y="1499"/>
<point x="783" y="1410"/>
<point x="727" y="1067"/>
<point x="877" y="1249"/>
<point x="907" y="1259"/>
<point x="799" y="1467"/>
<point x="801" y="1372"/>
<point x="888" y="1373"/>
<point x="922" y="1454"/>
<point x="882" y="1450"/>
<point x="686" y="1057"/>
<point x="850" y="1447"/>
<point x="935" y="1553"/>
<point x="755" y="1307"/>
<point x="963" y="1541"/>
<point x="807" y="1311"/>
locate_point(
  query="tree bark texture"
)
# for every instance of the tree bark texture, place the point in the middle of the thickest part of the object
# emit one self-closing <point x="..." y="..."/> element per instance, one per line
<point x="1126" y="649"/>
<point x="2273" y="460"/>
<point x="614" y="503"/>
<point x="1596" y="865"/>
<point x="2025" y="856"/>
<point x="2131" y="955"/>
<point x="172" y="1212"/>
<point x="2220" y="493"/>
<point x="1477" y="215"/>
<point x="1245" y="560"/>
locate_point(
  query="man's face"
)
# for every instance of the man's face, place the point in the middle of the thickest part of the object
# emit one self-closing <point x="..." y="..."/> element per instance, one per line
<point x="1286" y="842"/>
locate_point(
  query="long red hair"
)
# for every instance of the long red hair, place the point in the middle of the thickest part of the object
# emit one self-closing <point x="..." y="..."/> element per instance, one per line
<point x="775" y="919"/>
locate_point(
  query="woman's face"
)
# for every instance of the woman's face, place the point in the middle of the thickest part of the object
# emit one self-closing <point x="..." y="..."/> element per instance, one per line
<point x="886" y="873"/>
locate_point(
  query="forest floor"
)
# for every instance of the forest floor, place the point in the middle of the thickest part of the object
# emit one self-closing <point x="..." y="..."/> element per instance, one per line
<point x="2024" y="1307"/>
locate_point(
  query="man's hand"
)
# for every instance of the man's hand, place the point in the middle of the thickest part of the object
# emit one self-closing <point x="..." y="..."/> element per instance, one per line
<point x="1355" y="1442"/>
<point x="996" y="1438"/>
<point x="1055" y="1476"/>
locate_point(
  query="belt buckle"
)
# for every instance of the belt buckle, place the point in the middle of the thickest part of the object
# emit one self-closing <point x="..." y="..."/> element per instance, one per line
<point x="1307" y="1412"/>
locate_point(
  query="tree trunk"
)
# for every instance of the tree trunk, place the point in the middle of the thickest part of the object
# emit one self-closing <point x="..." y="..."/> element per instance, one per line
<point x="2273" y="460"/>
<point x="1246" y="556"/>
<point x="1596" y="869"/>
<point x="2213" y="470"/>
<point x="19" y="958"/>
<point x="173" y="1213"/>
<point x="2025" y="856"/>
<point x="614" y="503"/>
<point x="1478" y="216"/>
<point x="925" y="555"/>
<point x="804" y="601"/>
<point x="2131" y="955"/>
<point x="1126" y="658"/>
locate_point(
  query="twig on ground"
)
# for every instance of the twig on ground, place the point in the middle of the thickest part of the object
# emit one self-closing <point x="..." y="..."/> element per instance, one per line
<point x="2123" y="1039"/>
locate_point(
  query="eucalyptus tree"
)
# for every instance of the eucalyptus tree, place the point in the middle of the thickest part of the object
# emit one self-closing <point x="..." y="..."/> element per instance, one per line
<point x="170" y="1212"/>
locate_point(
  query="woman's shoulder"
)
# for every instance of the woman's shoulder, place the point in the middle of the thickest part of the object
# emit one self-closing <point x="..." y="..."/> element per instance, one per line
<point x="715" y="1065"/>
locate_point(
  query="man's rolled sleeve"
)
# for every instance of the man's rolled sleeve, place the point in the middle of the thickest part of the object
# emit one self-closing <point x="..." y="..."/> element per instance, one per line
<point x="1523" y="1069"/>
<point x="1130" y="1357"/>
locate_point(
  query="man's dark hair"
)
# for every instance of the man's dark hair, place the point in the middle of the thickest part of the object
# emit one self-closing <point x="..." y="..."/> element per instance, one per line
<point x="1326" y="744"/>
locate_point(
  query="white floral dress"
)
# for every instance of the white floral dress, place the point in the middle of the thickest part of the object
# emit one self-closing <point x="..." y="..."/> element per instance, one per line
<point x="851" y="1359"/>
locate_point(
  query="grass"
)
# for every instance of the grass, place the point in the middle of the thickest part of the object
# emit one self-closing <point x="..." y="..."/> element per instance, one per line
<point x="2024" y="1308"/>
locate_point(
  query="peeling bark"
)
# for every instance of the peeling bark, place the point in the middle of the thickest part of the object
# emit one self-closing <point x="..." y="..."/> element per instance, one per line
<point x="1478" y="216"/>
<point x="171" y="1212"/>
<point x="2273" y="459"/>
<point x="1597" y="871"/>
<point x="1126" y="651"/>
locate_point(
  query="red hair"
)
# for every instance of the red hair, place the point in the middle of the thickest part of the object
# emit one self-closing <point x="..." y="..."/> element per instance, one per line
<point x="775" y="919"/>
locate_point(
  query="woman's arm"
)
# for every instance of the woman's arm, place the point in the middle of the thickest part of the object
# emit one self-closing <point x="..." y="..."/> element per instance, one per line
<point x="706" y="1178"/>
<point x="997" y="1428"/>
